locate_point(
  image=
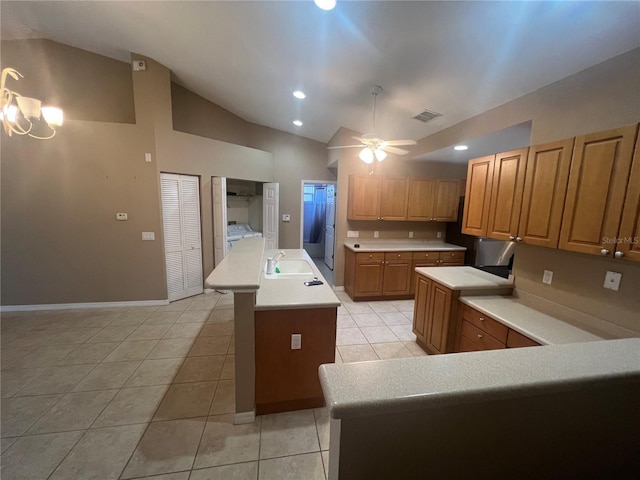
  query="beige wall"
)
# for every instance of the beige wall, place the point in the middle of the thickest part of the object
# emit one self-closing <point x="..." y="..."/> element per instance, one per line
<point x="60" y="240"/>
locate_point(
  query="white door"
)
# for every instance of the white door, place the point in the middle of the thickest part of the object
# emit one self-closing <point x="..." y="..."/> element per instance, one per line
<point x="270" y="212"/>
<point x="330" y="225"/>
<point x="219" y="197"/>
<point x="182" y="241"/>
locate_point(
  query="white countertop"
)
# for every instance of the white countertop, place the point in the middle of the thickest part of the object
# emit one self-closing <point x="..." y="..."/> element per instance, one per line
<point x="538" y="326"/>
<point x="292" y="292"/>
<point x="400" y="245"/>
<point x="409" y="384"/>
<point x="241" y="268"/>
<point x="465" y="278"/>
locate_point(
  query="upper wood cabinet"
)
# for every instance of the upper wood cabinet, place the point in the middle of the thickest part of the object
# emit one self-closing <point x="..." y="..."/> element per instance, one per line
<point x="395" y="198"/>
<point x="598" y="179"/>
<point x="478" y="196"/>
<point x="506" y="194"/>
<point x="545" y="188"/>
<point x="628" y="241"/>
<point x="433" y="199"/>
<point x="365" y="194"/>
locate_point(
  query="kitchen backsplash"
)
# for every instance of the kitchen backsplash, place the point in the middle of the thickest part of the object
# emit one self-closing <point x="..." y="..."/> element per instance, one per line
<point x="398" y="230"/>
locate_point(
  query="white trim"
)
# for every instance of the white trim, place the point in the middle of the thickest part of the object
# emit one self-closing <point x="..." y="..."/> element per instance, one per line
<point x="73" y="306"/>
<point x="338" y="289"/>
<point x="302" y="182"/>
<point x="244" y="417"/>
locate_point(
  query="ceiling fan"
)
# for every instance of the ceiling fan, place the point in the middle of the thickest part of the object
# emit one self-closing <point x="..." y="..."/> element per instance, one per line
<point x="372" y="145"/>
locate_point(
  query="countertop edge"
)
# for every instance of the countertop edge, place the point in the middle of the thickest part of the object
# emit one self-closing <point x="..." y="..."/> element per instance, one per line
<point x="423" y="247"/>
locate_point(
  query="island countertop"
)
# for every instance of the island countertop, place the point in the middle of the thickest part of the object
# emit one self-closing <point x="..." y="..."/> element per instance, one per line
<point x="241" y="269"/>
<point x="465" y="278"/>
<point x="291" y="293"/>
<point x="409" y="384"/>
<point x="401" y="245"/>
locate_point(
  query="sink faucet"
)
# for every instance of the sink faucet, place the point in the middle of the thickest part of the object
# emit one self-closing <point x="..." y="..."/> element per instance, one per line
<point x="273" y="261"/>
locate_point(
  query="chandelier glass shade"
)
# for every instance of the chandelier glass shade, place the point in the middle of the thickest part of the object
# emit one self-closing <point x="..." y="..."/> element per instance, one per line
<point x="367" y="154"/>
<point x="19" y="114"/>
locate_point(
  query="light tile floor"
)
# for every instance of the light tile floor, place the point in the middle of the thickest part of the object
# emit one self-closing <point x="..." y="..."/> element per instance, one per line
<point x="148" y="392"/>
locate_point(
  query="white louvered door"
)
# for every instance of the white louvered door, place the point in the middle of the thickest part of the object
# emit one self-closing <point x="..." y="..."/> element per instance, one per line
<point x="182" y="241"/>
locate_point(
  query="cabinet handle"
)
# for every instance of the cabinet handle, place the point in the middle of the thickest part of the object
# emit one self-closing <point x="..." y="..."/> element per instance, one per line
<point x="511" y="237"/>
<point x="370" y="256"/>
<point x="604" y="252"/>
<point x="518" y="239"/>
<point x="618" y="254"/>
<point x="479" y="336"/>
<point x="381" y="218"/>
<point x="399" y="255"/>
<point x="481" y="319"/>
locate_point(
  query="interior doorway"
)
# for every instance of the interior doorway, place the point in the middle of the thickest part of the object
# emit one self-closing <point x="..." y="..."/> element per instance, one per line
<point x="318" y="220"/>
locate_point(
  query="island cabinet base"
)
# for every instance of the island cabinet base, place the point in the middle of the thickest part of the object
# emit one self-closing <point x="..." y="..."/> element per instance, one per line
<point x="288" y="379"/>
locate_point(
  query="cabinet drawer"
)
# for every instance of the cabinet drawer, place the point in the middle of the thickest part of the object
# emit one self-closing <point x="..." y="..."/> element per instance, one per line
<point x="485" y="323"/>
<point x="369" y="256"/>
<point x="452" y="257"/>
<point x="480" y="337"/>
<point x="426" y="256"/>
<point x="516" y="340"/>
<point x="397" y="256"/>
<point x="467" y="345"/>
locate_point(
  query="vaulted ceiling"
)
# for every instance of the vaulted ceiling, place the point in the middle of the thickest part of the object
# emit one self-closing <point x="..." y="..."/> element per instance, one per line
<point x="455" y="58"/>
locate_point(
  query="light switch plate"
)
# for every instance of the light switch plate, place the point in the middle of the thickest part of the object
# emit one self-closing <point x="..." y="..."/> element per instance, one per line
<point x="296" y="341"/>
<point x="547" y="277"/>
<point x="147" y="157"/>
<point x="612" y="280"/>
<point x="148" y="235"/>
<point x="353" y="234"/>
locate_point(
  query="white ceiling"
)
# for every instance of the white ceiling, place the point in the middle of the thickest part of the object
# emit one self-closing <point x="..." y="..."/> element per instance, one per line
<point x="456" y="58"/>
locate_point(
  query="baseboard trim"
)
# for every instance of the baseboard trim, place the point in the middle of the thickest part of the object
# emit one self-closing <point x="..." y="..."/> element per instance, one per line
<point x="338" y="289"/>
<point x="74" y="306"/>
<point x="245" y="417"/>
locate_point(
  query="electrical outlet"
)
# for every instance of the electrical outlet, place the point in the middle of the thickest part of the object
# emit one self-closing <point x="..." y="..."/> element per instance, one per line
<point x="353" y="233"/>
<point x="547" y="277"/>
<point x="296" y="341"/>
<point x="376" y="234"/>
<point x="612" y="281"/>
<point x="121" y="216"/>
<point x="286" y="217"/>
<point x="439" y="235"/>
<point x="410" y="234"/>
<point x="147" y="157"/>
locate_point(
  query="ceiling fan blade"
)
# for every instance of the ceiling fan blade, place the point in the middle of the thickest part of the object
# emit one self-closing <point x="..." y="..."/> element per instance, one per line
<point x="366" y="140"/>
<point x="397" y="151"/>
<point x="394" y="143"/>
<point x="347" y="146"/>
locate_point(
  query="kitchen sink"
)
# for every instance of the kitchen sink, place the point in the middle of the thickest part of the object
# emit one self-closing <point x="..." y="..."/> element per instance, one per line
<point x="291" y="268"/>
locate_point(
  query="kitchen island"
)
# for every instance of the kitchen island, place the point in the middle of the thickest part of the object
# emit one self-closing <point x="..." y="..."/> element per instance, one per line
<point x="268" y="310"/>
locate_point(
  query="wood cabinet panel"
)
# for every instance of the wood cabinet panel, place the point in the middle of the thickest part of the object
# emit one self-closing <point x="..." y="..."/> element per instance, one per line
<point x="517" y="340"/>
<point x="628" y="244"/>
<point x="506" y="194"/>
<point x="365" y="196"/>
<point x="446" y="201"/>
<point x="450" y="259"/>
<point x="288" y="379"/>
<point x="395" y="198"/>
<point x="421" y="199"/>
<point x="598" y="180"/>
<point x="480" y="337"/>
<point x="368" y="278"/>
<point x="438" y="318"/>
<point x="422" y="302"/>
<point x="478" y="196"/>
<point x="397" y="273"/>
<point x="467" y="345"/>
<point x="545" y="188"/>
<point x="485" y="323"/>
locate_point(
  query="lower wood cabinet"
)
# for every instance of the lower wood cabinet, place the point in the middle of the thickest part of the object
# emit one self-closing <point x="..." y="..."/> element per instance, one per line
<point x="287" y="379"/>
<point x="481" y="332"/>
<point x="435" y="307"/>
<point x="386" y="275"/>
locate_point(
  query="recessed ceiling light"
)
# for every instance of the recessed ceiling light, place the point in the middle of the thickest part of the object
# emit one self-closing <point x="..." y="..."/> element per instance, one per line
<point x="325" y="4"/>
<point x="297" y="123"/>
<point x="299" y="94"/>
<point x="460" y="147"/>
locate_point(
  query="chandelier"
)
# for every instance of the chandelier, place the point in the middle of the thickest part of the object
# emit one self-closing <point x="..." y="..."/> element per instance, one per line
<point x="20" y="114"/>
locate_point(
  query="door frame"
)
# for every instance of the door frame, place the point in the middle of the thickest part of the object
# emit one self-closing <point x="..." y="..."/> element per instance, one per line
<point x="315" y="182"/>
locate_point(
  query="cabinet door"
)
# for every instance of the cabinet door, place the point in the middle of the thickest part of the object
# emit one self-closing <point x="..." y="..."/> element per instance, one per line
<point x="397" y="274"/>
<point x="365" y="193"/>
<point x="597" y="185"/>
<point x="478" y="196"/>
<point x="629" y="236"/>
<point x="438" y="318"/>
<point x="421" y="199"/>
<point x="395" y="198"/>
<point x="447" y="199"/>
<point x="423" y="300"/>
<point x="368" y="279"/>
<point x="545" y="188"/>
<point x="506" y="194"/>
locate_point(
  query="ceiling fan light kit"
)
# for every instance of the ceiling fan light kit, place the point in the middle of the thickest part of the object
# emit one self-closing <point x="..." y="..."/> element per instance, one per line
<point x="374" y="147"/>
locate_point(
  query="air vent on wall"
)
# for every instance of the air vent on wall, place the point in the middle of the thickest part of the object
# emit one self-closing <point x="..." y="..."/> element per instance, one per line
<point x="425" y="116"/>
